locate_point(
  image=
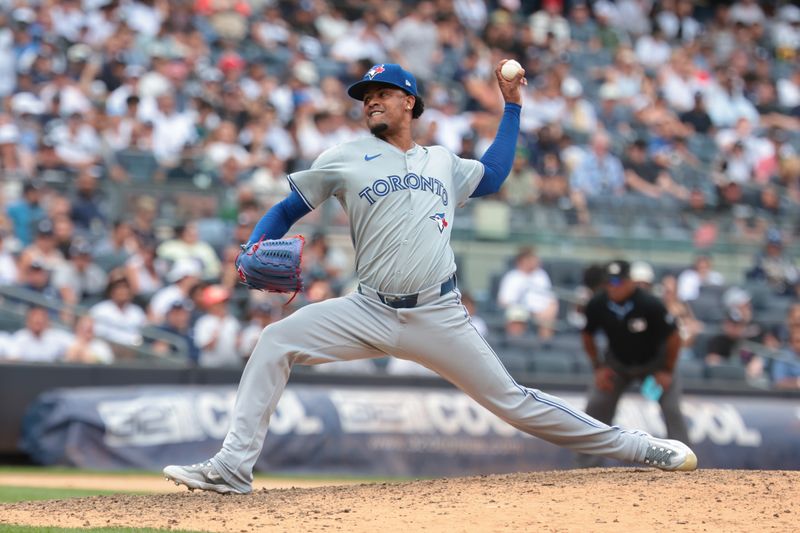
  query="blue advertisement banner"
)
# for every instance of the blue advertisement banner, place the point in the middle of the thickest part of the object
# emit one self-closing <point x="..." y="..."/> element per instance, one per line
<point x="373" y="432"/>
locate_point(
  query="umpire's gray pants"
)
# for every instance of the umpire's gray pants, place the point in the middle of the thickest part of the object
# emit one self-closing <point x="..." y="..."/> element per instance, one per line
<point x="438" y="335"/>
<point x="602" y="405"/>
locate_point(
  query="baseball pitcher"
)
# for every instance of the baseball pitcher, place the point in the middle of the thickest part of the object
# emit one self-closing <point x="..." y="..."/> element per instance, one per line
<point x="401" y="200"/>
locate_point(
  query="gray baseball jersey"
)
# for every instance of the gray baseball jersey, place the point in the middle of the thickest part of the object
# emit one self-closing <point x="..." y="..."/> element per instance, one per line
<point x="400" y="204"/>
<point x="401" y="208"/>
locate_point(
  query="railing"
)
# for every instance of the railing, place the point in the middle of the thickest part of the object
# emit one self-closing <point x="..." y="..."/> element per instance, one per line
<point x="17" y="300"/>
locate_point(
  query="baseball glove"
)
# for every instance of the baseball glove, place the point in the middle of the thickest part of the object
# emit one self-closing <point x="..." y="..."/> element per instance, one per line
<point x="272" y="265"/>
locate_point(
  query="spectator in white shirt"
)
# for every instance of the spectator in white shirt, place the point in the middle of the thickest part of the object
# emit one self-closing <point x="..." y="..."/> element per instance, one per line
<point x="172" y="130"/>
<point x="528" y="286"/>
<point x="38" y="342"/>
<point x="68" y="19"/>
<point x="789" y="90"/>
<point x="786" y="32"/>
<point x="86" y="348"/>
<point x="679" y="82"/>
<point x="727" y="103"/>
<point x="679" y="23"/>
<point x="8" y="264"/>
<point x="77" y="142"/>
<point x="748" y="12"/>
<point x="145" y="273"/>
<point x="42" y="250"/>
<point x="216" y="333"/>
<point x="225" y="147"/>
<point x="700" y="274"/>
<point x="118" y="102"/>
<point x="102" y="23"/>
<point x="262" y="314"/>
<point x="118" y="319"/>
<point x="550" y="23"/>
<point x="652" y="50"/>
<point x="416" y="40"/>
<point x="367" y="39"/>
<point x="578" y="114"/>
<point x="184" y="275"/>
<point x="145" y="16"/>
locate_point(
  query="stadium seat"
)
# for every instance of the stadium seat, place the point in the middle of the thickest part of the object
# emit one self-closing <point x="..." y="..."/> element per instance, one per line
<point x="515" y="360"/>
<point x="581" y="365"/>
<point x="571" y="344"/>
<point x="713" y="291"/>
<point x="215" y="231"/>
<point x="726" y="371"/>
<point x="760" y="295"/>
<point x="557" y="364"/>
<point x="495" y="321"/>
<point x="691" y="369"/>
<point x="140" y="166"/>
<point x="708" y="308"/>
<point x="700" y="346"/>
<point x="10" y="321"/>
<point x="529" y="343"/>
<point x="567" y="273"/>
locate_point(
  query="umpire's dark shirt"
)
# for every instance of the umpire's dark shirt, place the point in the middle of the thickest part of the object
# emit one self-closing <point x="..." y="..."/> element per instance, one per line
<point x="636" y="328"/>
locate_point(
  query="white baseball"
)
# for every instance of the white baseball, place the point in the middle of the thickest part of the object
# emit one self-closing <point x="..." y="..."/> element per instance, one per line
<point x="510" y="69"/>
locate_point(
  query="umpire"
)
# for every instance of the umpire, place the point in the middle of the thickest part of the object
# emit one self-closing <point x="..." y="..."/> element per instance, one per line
<point x="643" y="340"/>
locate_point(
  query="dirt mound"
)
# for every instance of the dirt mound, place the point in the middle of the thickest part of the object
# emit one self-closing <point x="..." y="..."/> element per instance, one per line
<point x="621" y="499"/>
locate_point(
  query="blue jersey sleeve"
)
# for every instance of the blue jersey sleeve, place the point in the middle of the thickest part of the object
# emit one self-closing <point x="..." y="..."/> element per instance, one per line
<point x="277" y="221"/>
<point x="499" y="157"/>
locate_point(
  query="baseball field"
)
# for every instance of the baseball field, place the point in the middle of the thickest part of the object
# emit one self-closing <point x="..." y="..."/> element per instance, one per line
<point x="603" y="500"/>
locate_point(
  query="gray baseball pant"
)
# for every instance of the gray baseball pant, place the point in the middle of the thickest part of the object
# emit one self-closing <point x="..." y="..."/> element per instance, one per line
<point x="437" y="334"/>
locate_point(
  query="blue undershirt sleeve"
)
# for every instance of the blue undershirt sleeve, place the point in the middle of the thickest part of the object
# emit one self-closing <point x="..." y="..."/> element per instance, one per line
<point x="499" y="157"/>
<point x="277" y="221"/>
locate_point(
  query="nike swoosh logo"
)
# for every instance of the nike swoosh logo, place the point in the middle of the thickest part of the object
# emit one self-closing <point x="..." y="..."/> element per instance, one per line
<point x="371" y="157"/>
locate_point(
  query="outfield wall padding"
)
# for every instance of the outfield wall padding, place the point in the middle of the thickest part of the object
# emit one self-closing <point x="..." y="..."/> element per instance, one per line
<point x="370" y="431"/>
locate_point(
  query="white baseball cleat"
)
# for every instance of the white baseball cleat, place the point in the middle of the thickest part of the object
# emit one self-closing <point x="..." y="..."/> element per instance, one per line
<point x="668" y="454"/>
<point x="201" y="476"/>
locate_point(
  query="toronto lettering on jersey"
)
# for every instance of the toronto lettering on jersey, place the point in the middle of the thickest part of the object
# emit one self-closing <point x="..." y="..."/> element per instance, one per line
<point x="383" y="186"/>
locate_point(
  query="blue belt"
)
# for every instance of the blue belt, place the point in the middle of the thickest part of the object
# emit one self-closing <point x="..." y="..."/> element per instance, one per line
<point x="408" y="301"/>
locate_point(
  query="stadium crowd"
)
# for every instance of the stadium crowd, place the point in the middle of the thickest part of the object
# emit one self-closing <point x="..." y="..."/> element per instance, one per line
<point x="676" y="117"/>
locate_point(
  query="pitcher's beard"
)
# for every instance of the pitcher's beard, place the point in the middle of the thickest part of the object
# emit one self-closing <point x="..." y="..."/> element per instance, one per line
<point x="379" y="129"/>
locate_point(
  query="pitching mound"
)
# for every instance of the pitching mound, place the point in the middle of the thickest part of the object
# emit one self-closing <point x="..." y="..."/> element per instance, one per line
<point x="578" y="500"/>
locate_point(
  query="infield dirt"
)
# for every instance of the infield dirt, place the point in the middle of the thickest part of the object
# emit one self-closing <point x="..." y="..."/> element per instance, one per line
<point x="603" y="500"/>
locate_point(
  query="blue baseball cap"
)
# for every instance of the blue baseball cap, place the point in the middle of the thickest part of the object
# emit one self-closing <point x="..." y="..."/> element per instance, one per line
<point x="387" y="73"/>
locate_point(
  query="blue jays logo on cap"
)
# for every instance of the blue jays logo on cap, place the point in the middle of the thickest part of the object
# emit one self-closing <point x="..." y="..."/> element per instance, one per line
<point x="441" y="222"/>
<point x="387" y="73"/>
<point x="374" y="71"/>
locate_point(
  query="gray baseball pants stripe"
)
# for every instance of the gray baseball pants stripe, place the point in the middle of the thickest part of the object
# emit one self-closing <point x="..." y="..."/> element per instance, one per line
<point x="439" y="336"/>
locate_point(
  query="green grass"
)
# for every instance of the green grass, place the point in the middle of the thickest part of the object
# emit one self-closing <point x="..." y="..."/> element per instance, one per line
<point x="70" y="471"/>
<point x="40" y="529"/>
<point x="20" y="494"/>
